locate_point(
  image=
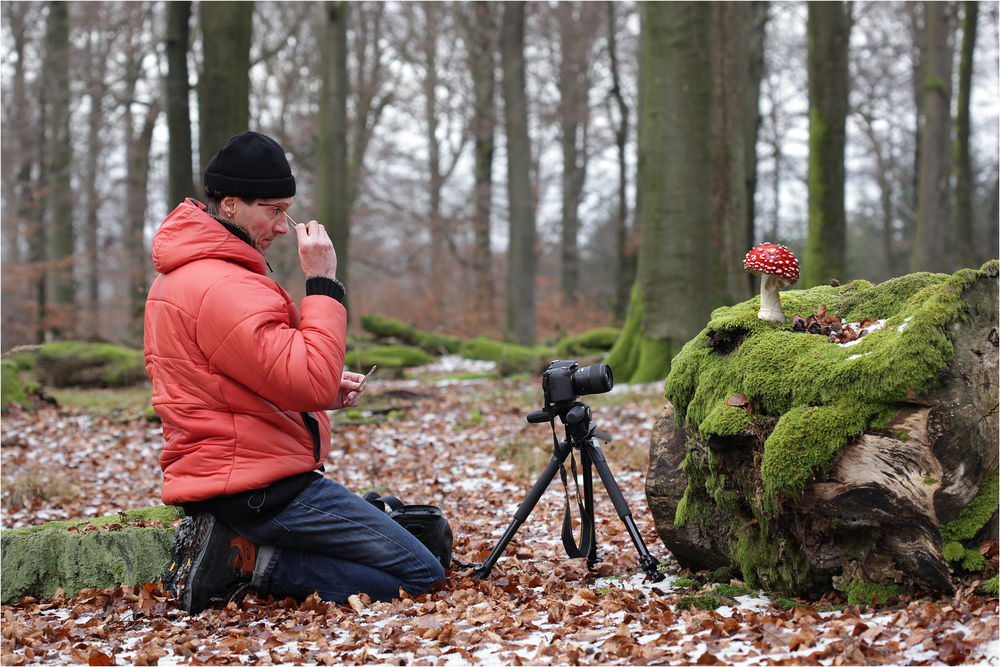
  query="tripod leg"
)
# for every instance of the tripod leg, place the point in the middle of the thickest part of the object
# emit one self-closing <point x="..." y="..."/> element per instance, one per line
<point x="646" y="560"/>
<point x="588" y="508"/>
<point x="559" y="454"/>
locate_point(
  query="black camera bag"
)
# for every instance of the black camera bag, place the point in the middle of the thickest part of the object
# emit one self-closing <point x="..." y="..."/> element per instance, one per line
<point x="425" y="522"/>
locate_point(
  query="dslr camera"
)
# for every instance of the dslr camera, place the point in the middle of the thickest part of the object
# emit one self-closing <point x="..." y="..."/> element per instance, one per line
<point x="563" y="381"/>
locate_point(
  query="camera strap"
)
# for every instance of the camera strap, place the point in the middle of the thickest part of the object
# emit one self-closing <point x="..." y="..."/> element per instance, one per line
<point x="586" y="527"/>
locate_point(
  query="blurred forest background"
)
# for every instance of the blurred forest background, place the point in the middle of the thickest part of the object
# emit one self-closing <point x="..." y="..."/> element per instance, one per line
<point x="517" y="169"/>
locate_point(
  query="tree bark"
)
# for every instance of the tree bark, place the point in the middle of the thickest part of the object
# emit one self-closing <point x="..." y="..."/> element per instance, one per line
<point x="180" y="175"/>
<point x="826" y="245"/>
<point x="625" y="251"/>
<point x="520" y="319"/>
<point x="673" y="291"/>
<point x="575" y="35"/>
<point x="224" y="84"/>
<point x="133" y="235"/>
<point x="965" y="245"/>
<point x="930" y="250"/>
<point x="480" y="30"/>
<point x="730" y="85"/>
<point x="759" y="10"/>
<point x="60" y="307"/>
<point x="894" y="496"/>
<point x="333" y="194"/>
<point x="98" y="47"/>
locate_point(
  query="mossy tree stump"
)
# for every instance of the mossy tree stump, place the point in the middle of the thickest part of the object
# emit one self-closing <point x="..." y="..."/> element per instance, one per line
<point x="121" y="549"/>
<point x="810" y="464"/>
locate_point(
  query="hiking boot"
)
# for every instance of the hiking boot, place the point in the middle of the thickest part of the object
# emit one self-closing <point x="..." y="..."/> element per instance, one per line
<point x="211" y="560"/>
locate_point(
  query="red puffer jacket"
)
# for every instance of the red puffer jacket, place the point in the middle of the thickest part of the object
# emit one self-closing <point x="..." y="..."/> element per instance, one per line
<point x="234" y="363"/>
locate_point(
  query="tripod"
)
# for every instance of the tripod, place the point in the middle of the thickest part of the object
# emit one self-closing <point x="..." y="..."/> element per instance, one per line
<point x="580" y="435"/>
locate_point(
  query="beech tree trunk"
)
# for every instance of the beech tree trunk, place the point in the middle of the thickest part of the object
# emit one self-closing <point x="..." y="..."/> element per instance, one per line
<point x="61" y="315"/>
<point x="180" y="176"/>
<point x="333" y="198"/>
<point x="829" y="30"/>
<point x="895" y="508"/>
<point x="479" y="23"/>
<point x="224" y="82"/>
<point x="930" y="247"/>
<point x="520" y="321"/>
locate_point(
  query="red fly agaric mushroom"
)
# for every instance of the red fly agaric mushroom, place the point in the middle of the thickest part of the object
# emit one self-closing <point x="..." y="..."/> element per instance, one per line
<point x="776" y="267"/>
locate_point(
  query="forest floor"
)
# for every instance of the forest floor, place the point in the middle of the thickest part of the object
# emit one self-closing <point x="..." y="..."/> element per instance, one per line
<point x="465" y="447"/>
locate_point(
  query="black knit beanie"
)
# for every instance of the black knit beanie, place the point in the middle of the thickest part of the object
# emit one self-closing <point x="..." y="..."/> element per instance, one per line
<point x="252" y="166"/>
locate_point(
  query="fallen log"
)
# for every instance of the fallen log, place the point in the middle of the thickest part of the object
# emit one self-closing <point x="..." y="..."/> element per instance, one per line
<point x="812" y="457"/>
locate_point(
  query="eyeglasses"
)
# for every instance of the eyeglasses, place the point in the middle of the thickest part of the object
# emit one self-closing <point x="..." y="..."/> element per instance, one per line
<point x="287" y="217"/>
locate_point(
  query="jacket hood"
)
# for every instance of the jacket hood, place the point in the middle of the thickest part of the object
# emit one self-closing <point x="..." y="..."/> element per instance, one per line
<point x="189" y="233"/>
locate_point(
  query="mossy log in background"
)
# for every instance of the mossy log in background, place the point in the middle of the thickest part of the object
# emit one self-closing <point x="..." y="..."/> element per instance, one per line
<point x="388" y="327"/>
<point x="126" y="550"/>
<point x="73" y="363"/>
<point x="811" y="465"/>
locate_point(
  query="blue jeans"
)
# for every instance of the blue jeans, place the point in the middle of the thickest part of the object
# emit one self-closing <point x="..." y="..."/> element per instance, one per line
<point x="333" y="542"/>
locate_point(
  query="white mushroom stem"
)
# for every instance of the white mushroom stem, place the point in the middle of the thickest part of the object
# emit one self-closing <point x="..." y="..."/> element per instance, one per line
<point x="770" y="302"/>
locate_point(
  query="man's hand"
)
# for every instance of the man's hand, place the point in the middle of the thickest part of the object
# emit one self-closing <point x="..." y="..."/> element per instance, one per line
<point x="351" y="388"/>
<point x="316" y="251"/>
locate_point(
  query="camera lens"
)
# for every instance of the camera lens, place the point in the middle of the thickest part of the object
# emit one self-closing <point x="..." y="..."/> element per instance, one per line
<point x="595" y="379"/>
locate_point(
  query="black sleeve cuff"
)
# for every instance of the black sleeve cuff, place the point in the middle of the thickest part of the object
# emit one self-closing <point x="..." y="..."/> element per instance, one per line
<point x="326" y="286"/>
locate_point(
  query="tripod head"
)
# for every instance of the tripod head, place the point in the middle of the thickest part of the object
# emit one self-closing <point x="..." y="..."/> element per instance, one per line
<point x="576" y="417"/>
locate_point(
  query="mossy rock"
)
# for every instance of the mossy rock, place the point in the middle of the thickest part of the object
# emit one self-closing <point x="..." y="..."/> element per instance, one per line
<point x="511" y="358"/>
<point x="73" y="363"/>
<point x="387" y="327"/>
<point x="39" y="560"/>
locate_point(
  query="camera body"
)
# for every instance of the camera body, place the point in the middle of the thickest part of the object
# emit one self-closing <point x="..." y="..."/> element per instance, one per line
<point x="563" y="381"/>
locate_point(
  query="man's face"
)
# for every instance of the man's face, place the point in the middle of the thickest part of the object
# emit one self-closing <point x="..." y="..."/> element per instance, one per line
<point x="263" y="219"/>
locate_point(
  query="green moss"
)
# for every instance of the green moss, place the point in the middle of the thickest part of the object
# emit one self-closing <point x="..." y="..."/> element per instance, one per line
<point x="822" y="394"/>
<point x="731" y="591"/>
<point x="75" y="363"/>
<point x="785" y="603"/>
<point x="934" y="83"/>
<point x="624" y="355"/>
<point x="510" y="357"/>
<point x="775" y="563"/>
<point x="387" y="356"/>
<point x="953" y="551"/>
<point x="596" y="341"/>
<point x="862" y="592"/>
<point x="162" y="513"/>
<point x="803" y="445"/>
<point x="723" y="575"/>
<point x="973" y="561"/>
<point x="696" y="476"/>
<point x="387" y="327"/>
<point x="706" y="602"/>
<point x="12" y="389"/>
<point x="726" y="420"/>
<point x="975" y="515"/>
<point x="686" y="582"/>
<point x="39" y="562"/>
<point x="970" y="521"/>
<point x="992" y="586"/>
